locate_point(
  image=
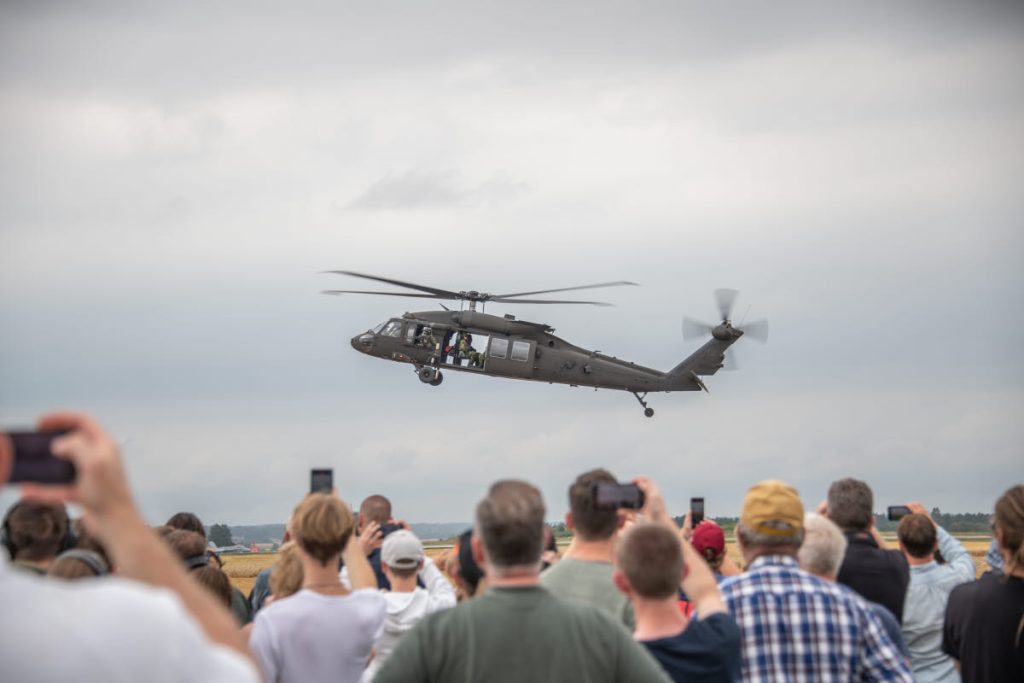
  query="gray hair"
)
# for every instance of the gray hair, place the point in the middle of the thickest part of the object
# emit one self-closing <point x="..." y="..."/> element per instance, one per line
<point x="754" y="539"/>
<point x="510" y="521"/>
<point x="850" y="504"/>
<point x="823" y="548"/>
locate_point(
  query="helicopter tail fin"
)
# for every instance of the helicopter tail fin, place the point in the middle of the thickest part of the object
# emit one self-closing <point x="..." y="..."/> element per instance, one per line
<point x="707" y="360"/>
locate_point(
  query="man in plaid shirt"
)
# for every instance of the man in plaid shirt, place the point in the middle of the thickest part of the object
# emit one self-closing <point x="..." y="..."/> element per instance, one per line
<point x="795" y="626"/>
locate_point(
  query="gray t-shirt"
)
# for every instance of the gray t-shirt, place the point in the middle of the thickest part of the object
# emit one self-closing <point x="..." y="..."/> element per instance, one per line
<point x="589" y="583"/>
<point x="519" y="634"/>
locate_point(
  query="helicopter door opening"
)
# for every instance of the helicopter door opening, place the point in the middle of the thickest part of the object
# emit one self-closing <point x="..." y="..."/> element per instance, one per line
<point x="466" y="350"/>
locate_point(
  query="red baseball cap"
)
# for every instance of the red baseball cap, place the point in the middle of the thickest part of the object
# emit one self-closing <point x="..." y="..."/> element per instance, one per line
<point x="709" y="540"/>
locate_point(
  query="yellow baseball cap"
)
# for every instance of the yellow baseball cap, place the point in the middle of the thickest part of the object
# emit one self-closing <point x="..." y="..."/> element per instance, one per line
<point x="774" y="508"/>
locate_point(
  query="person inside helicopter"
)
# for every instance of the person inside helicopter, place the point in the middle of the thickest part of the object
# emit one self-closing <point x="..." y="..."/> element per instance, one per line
<point x="464" y="351"/>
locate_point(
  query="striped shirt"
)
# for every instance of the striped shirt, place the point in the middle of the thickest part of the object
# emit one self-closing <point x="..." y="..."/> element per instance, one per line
<point x="796" y="627"/>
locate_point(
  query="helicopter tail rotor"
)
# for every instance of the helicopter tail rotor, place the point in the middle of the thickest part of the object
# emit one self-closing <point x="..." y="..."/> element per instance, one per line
<point x="725" y="300"/>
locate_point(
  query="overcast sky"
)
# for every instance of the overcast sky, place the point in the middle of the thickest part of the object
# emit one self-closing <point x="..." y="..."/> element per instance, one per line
<point x="175" y="176"/>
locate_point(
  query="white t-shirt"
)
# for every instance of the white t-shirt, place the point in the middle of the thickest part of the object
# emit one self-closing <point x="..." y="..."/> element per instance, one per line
<point x="314" y="637"/>
<point x="104" y="629"/>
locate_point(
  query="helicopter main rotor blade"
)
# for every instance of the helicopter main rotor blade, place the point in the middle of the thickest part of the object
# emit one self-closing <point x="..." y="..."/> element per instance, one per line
<point x="756" y="330"/>
<point x="725" y="298"/>
<point x="692" y="329"/>
<point x="620" y="283"/>
<point x="406" y="294"/>
<point x="423" y="288"/>
<point x="503" y="300"/>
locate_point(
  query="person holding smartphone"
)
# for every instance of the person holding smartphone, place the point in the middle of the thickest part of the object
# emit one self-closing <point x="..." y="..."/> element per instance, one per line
<point x="584" y="574"/>
<point x="152" y="622"/>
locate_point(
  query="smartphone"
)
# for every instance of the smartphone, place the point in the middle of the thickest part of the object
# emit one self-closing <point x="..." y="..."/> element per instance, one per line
<point x="386" y="529"/>
<point x="696" y="511"/>
<point x="34" y="462"/>
<point x="898" y="512"/>
<point x="321" y="481"/>
<point x="614" y="496"/>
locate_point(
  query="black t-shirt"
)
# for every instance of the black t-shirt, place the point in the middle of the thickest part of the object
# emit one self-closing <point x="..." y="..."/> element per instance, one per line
<point x="708" y="650"/>
<point x="878" y="575"/>
<point x="983" y="629"/>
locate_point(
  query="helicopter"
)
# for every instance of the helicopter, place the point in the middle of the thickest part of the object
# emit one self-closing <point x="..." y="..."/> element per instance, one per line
<point x="518" y="349"/>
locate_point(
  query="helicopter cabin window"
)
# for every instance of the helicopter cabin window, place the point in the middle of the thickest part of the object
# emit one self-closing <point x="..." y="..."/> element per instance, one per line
<point x="410" y="333"/>
<point x="392" y="329"/>
<point x="520" y="350"/>
<point x="499" y="347"/>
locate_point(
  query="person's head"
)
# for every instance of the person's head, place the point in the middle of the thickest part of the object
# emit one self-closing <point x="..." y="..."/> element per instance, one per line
<point x="917" y="536"/>
<point x="467" y="571"/>
<point x="850" y="504"/>
<point x="78" y="563"/>
<point x="509" y="529"/>
<point x="375" y="508"/>
<point x="823" y="548"/>
<point x="401" y="555"/>
<point x="322" y="525"/>
<point x="187" y="522"/>
<point x="771" y="521"/>
<point x="36" y="532"/>
<point x="215" y="581"/>
<point x="1008" y="526"/>
<point x="286" y="576"/>
<point x="86" y="541"/>
<point x="649" y="561"/>
<point x="189" y="546"/>
<point x="587" y="521"/>
<point x="709" y="541"/>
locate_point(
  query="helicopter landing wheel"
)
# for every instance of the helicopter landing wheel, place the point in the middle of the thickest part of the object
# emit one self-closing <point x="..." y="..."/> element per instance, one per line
<point x="428" y="375"/>
<point x="648" y="412"/>
<point x="437" y="380"/>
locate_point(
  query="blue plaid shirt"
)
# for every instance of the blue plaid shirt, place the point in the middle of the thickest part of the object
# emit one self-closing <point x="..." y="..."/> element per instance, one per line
<point x="797" y="627"/>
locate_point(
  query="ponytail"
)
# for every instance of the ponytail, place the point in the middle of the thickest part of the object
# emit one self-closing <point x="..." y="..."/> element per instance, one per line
<point x="1009" y="519"/>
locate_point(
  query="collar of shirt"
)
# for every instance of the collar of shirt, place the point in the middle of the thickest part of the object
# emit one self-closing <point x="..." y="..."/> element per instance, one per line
<point x="773" y="561"/>
<point x="860" y="538"/>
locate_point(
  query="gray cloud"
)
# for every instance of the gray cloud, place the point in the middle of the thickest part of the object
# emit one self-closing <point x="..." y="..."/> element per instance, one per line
<point x="175" y="178"/>
<point x="419" y="189"/>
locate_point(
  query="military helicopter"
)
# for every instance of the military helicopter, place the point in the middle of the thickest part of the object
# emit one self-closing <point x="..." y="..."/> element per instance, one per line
<point x="518" y="349"/>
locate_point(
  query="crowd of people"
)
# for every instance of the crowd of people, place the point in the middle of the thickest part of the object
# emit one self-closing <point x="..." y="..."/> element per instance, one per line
<point x="813" y="596"/>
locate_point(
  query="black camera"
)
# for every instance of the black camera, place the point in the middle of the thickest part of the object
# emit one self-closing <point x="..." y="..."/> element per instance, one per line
<point x="609" y="496"/>
<point x="898" y="512"/>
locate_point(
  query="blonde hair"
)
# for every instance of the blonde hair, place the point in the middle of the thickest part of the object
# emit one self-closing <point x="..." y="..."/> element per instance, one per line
<point x="322" y="525"/>
<point x="286" y="576"/>
<point x="1009" y="518"/>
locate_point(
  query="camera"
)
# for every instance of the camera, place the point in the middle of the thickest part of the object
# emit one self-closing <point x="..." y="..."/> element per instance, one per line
<point x="34" y="462"/>
<point x="898" y="512"/>
<point x="609" y="496"/>
<point x="321" y="480"/>
<point x="696" y="511"/>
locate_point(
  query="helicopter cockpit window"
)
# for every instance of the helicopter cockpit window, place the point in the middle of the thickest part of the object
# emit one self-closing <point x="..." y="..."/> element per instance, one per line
<point x="499" y="347"/>
<point x="392" y="329"/>
<point x="520" y="350"/>
<point x="378" y="328"/>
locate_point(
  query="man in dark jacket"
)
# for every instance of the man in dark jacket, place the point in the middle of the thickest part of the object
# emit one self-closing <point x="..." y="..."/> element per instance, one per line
<point x="879" y="574"/>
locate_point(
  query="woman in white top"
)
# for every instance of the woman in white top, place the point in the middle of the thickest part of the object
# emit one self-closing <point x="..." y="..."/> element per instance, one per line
<point x="325" y="631"/>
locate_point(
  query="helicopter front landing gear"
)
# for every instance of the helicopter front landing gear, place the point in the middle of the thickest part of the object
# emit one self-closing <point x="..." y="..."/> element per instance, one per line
<point x="648" y="412"/>
<point x="429" y="375"/>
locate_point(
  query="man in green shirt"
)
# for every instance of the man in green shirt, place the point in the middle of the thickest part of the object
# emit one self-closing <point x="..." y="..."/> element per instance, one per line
<point x="584" y="575"/>
<point x="517" y="630"/>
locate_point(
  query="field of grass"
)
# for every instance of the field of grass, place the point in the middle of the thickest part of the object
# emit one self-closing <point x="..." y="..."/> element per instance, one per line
<point x="242" y="569"/>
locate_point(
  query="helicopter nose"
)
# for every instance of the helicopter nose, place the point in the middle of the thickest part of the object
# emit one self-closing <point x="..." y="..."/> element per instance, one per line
<point x="362" y="342"/>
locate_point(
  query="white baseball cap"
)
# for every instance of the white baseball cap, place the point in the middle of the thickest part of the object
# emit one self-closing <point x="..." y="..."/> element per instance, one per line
<point x="401" y="550"/>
